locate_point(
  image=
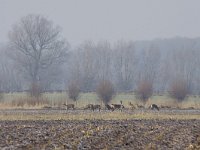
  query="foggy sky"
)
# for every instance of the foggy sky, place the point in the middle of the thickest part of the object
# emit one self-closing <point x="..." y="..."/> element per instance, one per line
<point x="108" y="19"/>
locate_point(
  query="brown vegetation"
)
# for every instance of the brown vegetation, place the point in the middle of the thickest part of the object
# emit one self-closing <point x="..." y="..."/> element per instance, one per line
<point x="30" y="102"/>
<point x="35" y="90"/>
<point x="178" y="90"/>
<point x="105" y="91"/>
<point x="1" y="96"/>
<point x="73" y="91"/>
<point x="144" y="91"/>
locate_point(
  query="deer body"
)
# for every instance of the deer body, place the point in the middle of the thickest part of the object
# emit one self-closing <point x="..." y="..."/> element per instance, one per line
<point x="140" y="106"/>
<point x="117" y="106"/>
<point x="93" y="107"/>
<point x="168" y="107"/>
<point x="89" y="106"/>
<point x="108" y="107"/>
<point x="69" y="106"/>
<point x="131" y="105"/>
<point x="153" y="107"/>
<point x="97" y="107"/>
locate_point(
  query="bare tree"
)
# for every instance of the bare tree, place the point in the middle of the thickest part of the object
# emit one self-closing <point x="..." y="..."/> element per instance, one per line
<point x="90" y="63"/>
<point x="103" y="61"/>
<point x="36" y="45"/>
<point x="185" y="65"/>
<point x="150" y="61"/>
<point x="88" y="68"/>
<point x="73" y="91"/>
<point x="178" y="90"/>
<point x="9" y="78"/>
<point x="1" y="92"/>
<point x="144" y="90"/>
<point x="105" y="91"/>
<point x="124" y="64"/>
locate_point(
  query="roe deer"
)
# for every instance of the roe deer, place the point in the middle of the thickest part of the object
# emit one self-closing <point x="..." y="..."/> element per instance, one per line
<point x="168" y="107"/>
<point x="131" y="105"/>
<point x="117" y="106"/>
<point x="140" y="106"/>
<point x="69" y="106"/>
<point x="154" y="106"/>
<point x="89" y="106"/>
<point x="97" y="107"/>
<point x="93" y="107"/>
<point x="108" y="107"/>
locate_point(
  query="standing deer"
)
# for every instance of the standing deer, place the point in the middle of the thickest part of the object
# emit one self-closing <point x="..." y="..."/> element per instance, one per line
<point x="69" y="106"/>
<point x="117" y="106"/>
<point x="93" y="107"/>
<point x="131" y="105"/>
<point x="97" y="107"/>
<point x="89" y="106"/>
<point x="153" y="107"/>
<point x="140" y="106"/>
<point x="108" y="107"/>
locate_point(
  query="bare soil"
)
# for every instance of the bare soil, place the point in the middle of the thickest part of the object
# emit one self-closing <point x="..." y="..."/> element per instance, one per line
<point x="98" y="134"/>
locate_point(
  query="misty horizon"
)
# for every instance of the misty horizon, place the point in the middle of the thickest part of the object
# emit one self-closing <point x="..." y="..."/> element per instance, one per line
<point x="108" y="20"/>
<point x="124" y="42"/>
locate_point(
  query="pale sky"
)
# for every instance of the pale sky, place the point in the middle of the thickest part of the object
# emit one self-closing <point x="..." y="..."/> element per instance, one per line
<point x="108" y="19"/>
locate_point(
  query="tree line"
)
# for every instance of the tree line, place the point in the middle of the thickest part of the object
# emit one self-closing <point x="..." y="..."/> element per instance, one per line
<point x="37" y="56"/>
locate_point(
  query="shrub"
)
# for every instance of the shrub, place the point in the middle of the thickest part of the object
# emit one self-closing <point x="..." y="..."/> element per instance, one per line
<point x="144" y="90"/>
<point x="73" y="91"/>
<point x="18" y="102"/>
<point x="105" y="91"/>
<point x="35" y="90"/>
<point x="34" y="101"/>
<point x="30" y="102"/>
<point x="178" y="90"/>
<point x="1" y="96"/>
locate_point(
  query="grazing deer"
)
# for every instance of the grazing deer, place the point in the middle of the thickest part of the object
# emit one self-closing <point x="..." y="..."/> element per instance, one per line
<point x="140" y="106"/>
<point x="69" y="106"/>
<point x="93" y="107"/>
<point x="97" y="107"/>
<point x="168" y="107"/>
<point x="89" y="106"/>
<point x="191" y="107"/>
<point x="108" y="107"/>
<point x="131" y="105"/>
<point x="117" y="106"/>
<point x="154" y="106"/>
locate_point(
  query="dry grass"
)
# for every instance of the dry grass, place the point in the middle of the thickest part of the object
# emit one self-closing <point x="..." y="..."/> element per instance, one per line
<point x="25" y="102"/>
<point x="99" y="116"/>
<point x="21" y="100"/>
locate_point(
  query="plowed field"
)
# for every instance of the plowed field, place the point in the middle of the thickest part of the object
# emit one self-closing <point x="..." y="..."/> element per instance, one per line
<point x="97" y="133"/>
